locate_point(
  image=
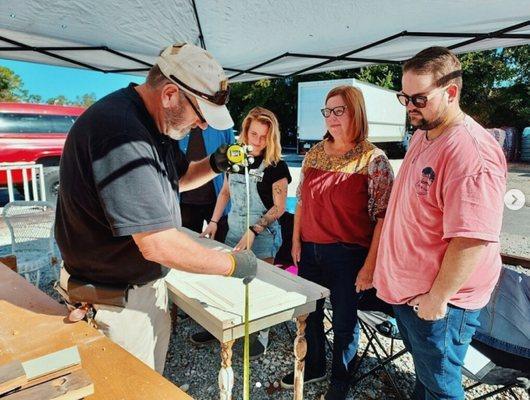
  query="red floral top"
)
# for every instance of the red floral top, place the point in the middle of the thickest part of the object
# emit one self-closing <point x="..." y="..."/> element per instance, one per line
<point x="342" y="196"/>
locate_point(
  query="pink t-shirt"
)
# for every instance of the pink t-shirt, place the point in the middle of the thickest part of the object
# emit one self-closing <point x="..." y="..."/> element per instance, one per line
<point x="452" y="186"/>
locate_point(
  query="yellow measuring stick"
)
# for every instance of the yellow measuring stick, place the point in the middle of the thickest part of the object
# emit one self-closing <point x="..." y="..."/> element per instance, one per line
<point x="246" y="348"/>
<point x="238" y="155"/>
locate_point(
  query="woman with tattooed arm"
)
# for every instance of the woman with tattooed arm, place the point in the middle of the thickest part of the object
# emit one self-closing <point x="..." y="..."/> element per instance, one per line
<point x="269" y="177"/>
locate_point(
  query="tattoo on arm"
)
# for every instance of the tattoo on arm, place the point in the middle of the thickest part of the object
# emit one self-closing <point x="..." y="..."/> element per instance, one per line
<point x="279" y="192"/>
<point x="269" y="217"/>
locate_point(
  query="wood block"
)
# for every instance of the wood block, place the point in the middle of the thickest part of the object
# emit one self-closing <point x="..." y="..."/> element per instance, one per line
<point x="10" y="262"/>
<point x="51" y="366"/>
<point x="74" y="386"/>
<point x="12" y="376"/>
<point x="52" y="375"/>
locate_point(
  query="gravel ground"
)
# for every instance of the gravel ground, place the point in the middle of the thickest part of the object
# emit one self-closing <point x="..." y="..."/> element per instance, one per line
<point x="198" y="367"/>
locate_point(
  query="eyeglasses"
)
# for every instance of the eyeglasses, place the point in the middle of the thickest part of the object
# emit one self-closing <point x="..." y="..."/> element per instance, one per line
<point x="219" y="98"/>
<point x="419" y="101"/>
<point x="197" y="112"/>
<point x="338" y="111"/>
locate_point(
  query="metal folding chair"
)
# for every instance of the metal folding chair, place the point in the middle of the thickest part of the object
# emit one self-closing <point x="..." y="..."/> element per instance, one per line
<point x="30" y="225"/>
<point x="375" y="321"/>
<point x="373" y="324"/>
<point x="488" y="366"/>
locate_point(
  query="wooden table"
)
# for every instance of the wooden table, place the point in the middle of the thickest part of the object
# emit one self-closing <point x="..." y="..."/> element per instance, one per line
<point x="32" y="324"/>
<point x="217" y="303"/>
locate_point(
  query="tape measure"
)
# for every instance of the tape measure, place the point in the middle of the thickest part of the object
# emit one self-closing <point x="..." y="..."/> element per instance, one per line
<point x="236" y="153"/>
<point x="246" y="344"/>
<point x="239" y="156"/>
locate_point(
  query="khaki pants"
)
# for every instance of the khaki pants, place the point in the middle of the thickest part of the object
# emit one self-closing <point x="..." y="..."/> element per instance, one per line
<point x="143" y="327"/>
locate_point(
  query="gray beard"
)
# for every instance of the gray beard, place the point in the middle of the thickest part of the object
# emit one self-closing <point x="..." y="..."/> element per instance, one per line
<point x="177" y="134"/>
<point x="172" y="118"/>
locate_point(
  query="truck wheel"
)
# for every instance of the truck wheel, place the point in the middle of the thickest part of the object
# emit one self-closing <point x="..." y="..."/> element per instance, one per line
<point x="51" y="183"/>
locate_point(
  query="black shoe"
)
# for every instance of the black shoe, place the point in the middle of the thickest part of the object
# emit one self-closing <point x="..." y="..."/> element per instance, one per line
<point x="202" y="338"/>
<point x="336" y="391"/>
<point x="287" y="381"/>
<point x="256" y="349"/>
<point x="182" y="315"/>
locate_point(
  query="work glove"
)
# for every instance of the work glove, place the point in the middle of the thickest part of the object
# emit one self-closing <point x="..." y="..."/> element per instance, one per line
<point x="245" y="265"/>
<point x="231" y="158"/>
<point x="219" y="160"/>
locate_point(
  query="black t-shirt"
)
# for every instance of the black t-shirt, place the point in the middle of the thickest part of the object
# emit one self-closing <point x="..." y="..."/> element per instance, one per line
<point x="196" y="151"/>
<point x="119" y="176"/>
<point x="271" y="174"/>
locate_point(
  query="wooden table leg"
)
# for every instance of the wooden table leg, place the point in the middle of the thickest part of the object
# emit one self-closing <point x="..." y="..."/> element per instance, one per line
<point x="300" y="350"/>
<point x="226" y="374"/>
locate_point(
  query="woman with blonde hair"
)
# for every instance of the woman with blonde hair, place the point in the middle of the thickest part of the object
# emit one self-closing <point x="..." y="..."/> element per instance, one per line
<point x="344" y="188"/>
<point x="269" y="177"/>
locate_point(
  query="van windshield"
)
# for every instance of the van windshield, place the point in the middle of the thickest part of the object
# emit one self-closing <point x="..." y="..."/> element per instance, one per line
<point x="35" y="123"/>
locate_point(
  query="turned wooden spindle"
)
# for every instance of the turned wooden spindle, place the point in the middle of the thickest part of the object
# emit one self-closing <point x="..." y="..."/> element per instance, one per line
<point x="226" y="374"/>
<point x="300" y="350"/>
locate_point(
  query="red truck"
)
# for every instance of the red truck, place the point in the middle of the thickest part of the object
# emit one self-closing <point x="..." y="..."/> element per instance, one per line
<point x="35" y="133"/>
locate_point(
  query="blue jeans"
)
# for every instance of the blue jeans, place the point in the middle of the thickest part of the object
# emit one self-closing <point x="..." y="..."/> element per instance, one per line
<point x="438" y="349"/>
<point x="334" y="266"/>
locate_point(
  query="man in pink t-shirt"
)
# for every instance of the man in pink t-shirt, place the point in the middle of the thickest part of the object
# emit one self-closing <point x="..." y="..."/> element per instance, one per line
<point x="438" y="258"/>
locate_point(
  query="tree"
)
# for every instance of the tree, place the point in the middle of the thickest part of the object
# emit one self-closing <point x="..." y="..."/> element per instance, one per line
<point x="10" y="85"/>
<point x="12" y="89"/>
<point x="387" y="76"/>
<point x="496" y="86"/>
<point x="33" y="98"/>
<point x="60" y="100"/>
<point x="85" y="100"/>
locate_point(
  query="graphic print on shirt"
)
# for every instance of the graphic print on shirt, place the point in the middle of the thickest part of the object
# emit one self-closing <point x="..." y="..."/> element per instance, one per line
<point x="426" y="181"/>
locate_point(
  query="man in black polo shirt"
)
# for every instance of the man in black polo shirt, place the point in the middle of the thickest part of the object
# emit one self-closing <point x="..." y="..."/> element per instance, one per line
<point x="118" y="212"/>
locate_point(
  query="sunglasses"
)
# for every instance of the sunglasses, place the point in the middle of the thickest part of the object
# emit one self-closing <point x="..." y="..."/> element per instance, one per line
<point x="219" y="98"/>
<point x="338" y="111"/>
<point x="419" y="100"/>
<point x="197" y="112"/>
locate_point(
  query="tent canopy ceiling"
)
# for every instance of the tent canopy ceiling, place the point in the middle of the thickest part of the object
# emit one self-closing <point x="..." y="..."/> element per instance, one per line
<point x="254" y="38"/>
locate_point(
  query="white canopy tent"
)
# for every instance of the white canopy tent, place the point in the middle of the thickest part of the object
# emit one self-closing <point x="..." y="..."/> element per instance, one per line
<point x="254" y="38"/>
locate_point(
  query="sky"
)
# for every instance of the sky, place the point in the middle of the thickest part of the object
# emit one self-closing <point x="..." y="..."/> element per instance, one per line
<point x="50" y="81"/>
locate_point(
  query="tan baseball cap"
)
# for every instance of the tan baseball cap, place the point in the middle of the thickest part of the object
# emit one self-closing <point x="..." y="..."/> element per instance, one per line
<point x="196" y="72"/>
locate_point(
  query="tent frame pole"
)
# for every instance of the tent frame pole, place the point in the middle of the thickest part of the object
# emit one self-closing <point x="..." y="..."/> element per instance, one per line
<point x="201" y="35"/>
<point x="470" y="39"/>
